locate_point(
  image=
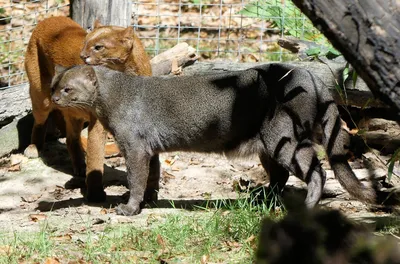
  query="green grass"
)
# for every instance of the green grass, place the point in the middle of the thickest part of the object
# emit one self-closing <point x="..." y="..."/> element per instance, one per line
<point x="224" y="231"/>
<point x="15" y="247"/>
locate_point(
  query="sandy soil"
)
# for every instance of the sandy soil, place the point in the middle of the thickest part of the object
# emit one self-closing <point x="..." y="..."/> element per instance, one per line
<point x="32" y="190"/>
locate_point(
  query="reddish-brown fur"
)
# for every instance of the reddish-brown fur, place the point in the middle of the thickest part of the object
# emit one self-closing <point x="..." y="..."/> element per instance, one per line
<point x="121" y="50"/>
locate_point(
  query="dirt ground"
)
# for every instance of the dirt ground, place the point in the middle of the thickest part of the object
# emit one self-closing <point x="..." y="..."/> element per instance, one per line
<point x="33" y="190"/>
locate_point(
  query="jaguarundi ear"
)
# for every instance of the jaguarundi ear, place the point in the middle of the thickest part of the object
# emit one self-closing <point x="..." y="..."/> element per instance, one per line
<point x="127" y="37"/>
<point x="58" y="69"/>
<point x="97" y="23"/>
<point x="90" y="73"/>
<point x="128" y="33"/>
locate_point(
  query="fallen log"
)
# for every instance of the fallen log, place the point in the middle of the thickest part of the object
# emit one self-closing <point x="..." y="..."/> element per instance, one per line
<point x="381" y="134"/>
<point x="173" y="59"/>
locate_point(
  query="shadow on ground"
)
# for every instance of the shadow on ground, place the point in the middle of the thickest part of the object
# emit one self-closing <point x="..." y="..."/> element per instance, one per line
<point x="260" y="196"/>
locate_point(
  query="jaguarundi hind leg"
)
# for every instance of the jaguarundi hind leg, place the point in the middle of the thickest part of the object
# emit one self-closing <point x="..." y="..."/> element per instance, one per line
<point x="277" y="174"/>
<point x="153" y="182"/>
<point x="73" y="129"/>
<point x="40" y="112"/>
<point x="297" y="156"/>
<point x="308" y="168"/>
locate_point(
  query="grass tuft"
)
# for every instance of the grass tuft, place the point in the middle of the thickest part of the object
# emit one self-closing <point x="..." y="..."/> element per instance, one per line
<point x="223" y="231"/>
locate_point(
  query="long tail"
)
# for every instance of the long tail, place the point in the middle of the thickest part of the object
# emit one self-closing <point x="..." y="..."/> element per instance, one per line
<point x="336" y="141"/>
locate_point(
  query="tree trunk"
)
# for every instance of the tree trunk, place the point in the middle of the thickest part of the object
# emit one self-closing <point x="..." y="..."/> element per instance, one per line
<point x="367" y="34"/>
<point x="108" y="12"/>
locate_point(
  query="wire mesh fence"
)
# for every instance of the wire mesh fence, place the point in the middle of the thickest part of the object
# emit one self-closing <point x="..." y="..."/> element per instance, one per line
<point x="236" y="30"/>
<point x="17" y="20"/>
<point x="215" y="28"/>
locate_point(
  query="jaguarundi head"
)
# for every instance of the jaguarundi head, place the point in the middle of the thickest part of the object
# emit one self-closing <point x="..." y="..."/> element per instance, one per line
<point x="108" y="45"/>
<point x="74" y="87"/>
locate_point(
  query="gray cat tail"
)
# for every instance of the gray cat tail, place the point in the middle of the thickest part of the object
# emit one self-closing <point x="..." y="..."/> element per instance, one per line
<point x="335" y="141"/>
<point x="349" y="181"/>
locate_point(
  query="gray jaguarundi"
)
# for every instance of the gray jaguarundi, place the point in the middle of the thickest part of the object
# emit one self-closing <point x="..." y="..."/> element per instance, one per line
<point x="270" y="110"/>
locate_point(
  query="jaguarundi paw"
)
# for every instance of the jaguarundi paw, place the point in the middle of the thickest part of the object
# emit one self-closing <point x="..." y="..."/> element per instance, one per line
<point x="96" y="196"/>
<point x="127" y="210"/>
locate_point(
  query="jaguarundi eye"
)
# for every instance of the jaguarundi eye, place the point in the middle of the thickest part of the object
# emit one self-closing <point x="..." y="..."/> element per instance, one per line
<point x="98" y="47"/>
<point x="67" y="89"/>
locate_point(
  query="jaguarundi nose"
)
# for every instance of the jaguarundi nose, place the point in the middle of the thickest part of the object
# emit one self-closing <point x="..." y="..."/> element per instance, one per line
<point x="83" y="56"/>
<point x="55" y="98"/>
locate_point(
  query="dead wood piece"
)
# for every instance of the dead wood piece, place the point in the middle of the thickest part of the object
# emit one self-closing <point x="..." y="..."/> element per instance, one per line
<point x="382" y="140"/>
<point x="299" y="46"/>
<point x="374" y="124"/>
<point x="381" y="134"/>
<point x="178" y="56"/>
<point x="373" y="161"/>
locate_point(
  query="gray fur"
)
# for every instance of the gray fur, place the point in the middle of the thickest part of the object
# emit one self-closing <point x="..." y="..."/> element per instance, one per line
<point x="271" y="110"/>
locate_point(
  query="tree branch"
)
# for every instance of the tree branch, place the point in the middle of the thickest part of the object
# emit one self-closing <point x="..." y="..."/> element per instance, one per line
<point x="366" y="33"/>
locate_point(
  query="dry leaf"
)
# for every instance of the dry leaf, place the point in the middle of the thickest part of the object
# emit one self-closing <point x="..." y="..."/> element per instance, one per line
<point x="16" y="167"/>
<point x="5" y="250"/>
<point x="194" y="162"/>
<point x="172" y="161"/>
<point x="31" y="198"/>
<point x="233" y="244"/>
<point x="204" y="259"/>
<point x="353" y="131"/>
<point x="52" y="261"/>
<point x="66" y="237"/>
<point x="175" y="168"/>
<point x="103" y="211"/>
<point x="37" y="217"/>
<point x="80" y="261"/>
<point x="160" y="241"/>
<point x="168" y="175"/>
<point x="250" y="239"/>
<point x="225" y="213"/>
